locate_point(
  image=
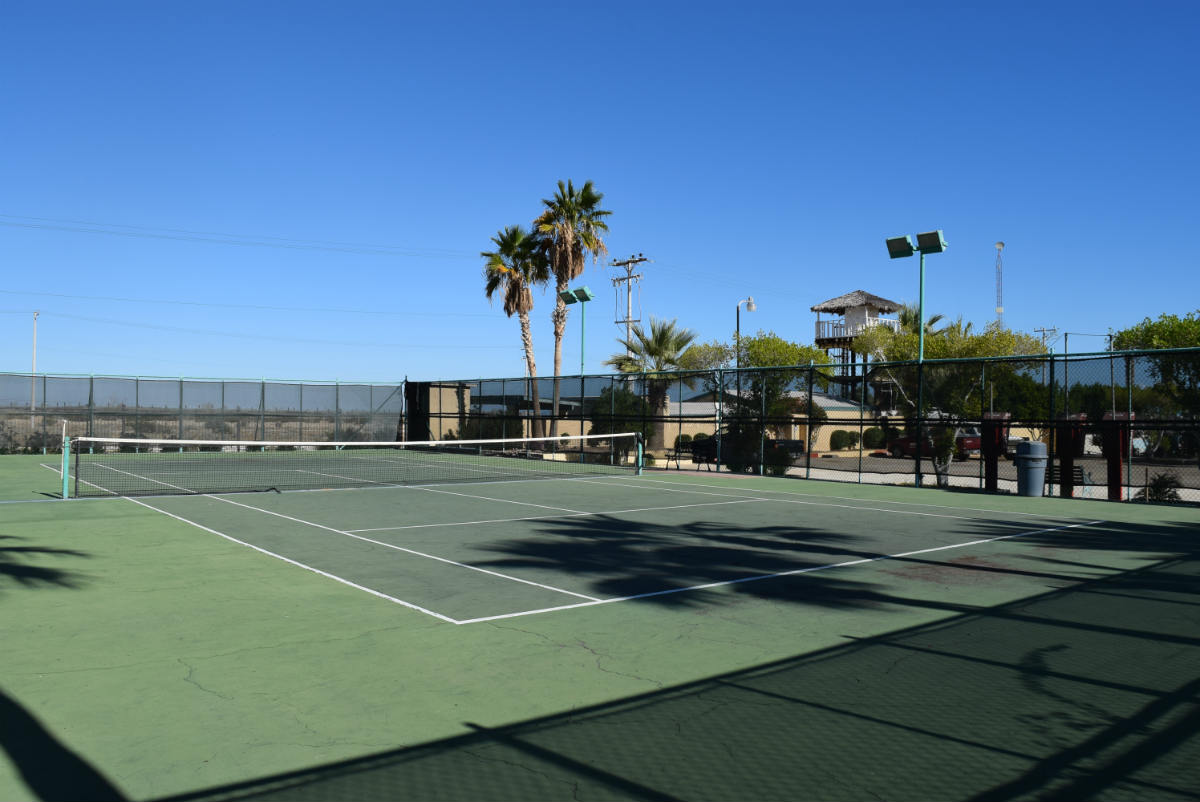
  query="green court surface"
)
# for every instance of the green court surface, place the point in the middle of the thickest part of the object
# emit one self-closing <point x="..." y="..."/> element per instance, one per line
<point x="670" y="636"/>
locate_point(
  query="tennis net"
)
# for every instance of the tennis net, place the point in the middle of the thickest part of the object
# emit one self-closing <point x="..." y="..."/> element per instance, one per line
<point x="137" y="467"/>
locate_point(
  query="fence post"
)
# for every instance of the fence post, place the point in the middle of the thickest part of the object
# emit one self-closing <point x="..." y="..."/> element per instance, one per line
<point x="91" y="429"/>
<point x="720" y="409"/>
<point x="920" y="442"/>
<point x="762" y="420"/>
<point x="808" y="429"/>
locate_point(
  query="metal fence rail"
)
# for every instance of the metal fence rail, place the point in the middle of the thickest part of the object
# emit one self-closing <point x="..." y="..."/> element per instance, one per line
<point x="34" y="409"/>
<point x="906" y="422"/>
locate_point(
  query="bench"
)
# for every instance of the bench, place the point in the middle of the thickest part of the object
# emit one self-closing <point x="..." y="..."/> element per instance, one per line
<point x="701" y="455"/>
<point x="1079" y="476"/>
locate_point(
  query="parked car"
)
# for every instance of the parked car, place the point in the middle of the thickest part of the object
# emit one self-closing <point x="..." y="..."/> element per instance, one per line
<point x="966" y="442"/>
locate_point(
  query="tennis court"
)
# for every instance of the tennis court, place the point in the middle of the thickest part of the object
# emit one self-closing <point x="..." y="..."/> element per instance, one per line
<point x="431" y="639"/>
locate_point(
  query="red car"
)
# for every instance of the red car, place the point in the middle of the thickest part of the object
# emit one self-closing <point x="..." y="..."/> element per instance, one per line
<point x="966" y="441"/>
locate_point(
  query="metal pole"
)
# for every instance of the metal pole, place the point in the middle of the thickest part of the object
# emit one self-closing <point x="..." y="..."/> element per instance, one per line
<point x="921" y="317"/>
<point x="582" y="330"/>
<point x="33" y="378"/>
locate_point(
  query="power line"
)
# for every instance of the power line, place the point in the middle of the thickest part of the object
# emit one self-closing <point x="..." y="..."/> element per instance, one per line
<point x="256" y="307"/>
<point x="269" y="337"/>
<point x="219" y="238"/>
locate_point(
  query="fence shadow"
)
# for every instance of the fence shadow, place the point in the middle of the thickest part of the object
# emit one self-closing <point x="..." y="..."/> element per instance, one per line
<point x="1083" y="691"/>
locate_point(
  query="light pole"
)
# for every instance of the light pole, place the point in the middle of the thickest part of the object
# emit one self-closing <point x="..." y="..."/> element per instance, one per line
<point x="900" y="247"/>
<point x="579" y="295"/>
<point x="737" y="340"/>
<point x="737" y="345"/>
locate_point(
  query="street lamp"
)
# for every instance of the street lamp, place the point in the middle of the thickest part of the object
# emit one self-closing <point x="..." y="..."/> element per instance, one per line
<point x="579" y="295"/>
<point x="750" y="307"/>
<point x="901" y="247"/>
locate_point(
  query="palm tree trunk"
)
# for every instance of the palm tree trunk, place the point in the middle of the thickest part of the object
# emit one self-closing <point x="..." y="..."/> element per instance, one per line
<point x="538" y="428"/>
<point x="559" y="318"/>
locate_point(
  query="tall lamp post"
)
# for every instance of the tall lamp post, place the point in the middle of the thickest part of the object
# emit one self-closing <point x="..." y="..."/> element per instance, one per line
<point x="579" y="295"/>
<point x="899" y="248"/>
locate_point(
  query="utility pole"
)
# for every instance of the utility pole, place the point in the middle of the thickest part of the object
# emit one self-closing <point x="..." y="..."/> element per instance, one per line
<point x="33" y="377"/>
<point x="1045" y="332"/>
<point x="629" y="264"/>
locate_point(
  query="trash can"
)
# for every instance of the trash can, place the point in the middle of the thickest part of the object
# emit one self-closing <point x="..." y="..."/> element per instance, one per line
<point x="1031" y="467"/>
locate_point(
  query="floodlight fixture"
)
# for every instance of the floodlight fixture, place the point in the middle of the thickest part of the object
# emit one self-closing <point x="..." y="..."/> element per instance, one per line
<point x="579" y="295"/>
<point x="900" y="247"/>
<point x="931" y="242"/>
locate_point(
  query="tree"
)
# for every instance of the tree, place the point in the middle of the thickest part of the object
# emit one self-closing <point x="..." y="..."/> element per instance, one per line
<point x="617" y="410"/>
<point x="952" y="393"/>
<point x="511" y="270"/>
<point x="1178" y="374"/>
<point x="568" y="231"/>
<point x="662" y="350"/>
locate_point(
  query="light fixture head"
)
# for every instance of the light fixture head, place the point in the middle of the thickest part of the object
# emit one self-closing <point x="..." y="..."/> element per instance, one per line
<point x="567" y="297"/>
<point x="899" y="247"/>
<point x="750" y="305"/>
<point x="931" y="242"/>
<point x="584" y="294"/>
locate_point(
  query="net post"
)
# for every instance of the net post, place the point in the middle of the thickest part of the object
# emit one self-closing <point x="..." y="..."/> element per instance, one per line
<point x="640" y="451"/>
<point x="66" y="467"/>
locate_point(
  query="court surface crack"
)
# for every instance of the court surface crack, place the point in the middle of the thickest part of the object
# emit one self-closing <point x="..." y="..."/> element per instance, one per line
<point x="580" y="644"/>
<point x="188" y="679"/>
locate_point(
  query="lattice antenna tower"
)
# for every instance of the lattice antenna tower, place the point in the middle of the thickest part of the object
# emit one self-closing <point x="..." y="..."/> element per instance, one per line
<point x="1000" y="283"/>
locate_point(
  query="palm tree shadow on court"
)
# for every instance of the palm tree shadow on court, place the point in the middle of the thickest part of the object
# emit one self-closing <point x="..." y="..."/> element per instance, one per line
<point x="48" y="767"/>
<point x="16" y="567"/>
<point x="781" y="562"/>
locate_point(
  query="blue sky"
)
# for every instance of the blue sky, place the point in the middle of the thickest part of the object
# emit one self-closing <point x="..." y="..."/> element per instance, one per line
<point x="300" y="190"/>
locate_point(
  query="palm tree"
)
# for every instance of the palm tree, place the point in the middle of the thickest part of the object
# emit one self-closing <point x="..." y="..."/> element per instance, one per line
<point x="568" y="230"/>
<point x="511" y="270"/>
<point x="663" y="349"/>
<point x="909" y="317"/>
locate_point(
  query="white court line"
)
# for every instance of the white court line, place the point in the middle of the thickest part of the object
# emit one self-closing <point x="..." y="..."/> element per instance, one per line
<point x="299" y="564"/>
<point x="451" y="493"/>
<point x="823" y="504"/>
<point x="759" y="577"/>
<point x="559" y="517"/>
<point x="846" y="498"/>
<point x="401" y="548"/>
<point x="356" y="537"/>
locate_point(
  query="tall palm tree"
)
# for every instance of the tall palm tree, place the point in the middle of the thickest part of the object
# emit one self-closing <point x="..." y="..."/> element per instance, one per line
<point x="663" y="349"/>
<point x="511" y="270"/>
<point x="568" y="231"/>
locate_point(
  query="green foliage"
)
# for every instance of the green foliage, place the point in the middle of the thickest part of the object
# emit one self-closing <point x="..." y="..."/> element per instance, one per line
<point x="776" y="461"/>
<point x="1178" y="374"/>
<point x="873" y="438"/>
<point x="682" y="440"/>
<point x="842" y="438"/>
<point x="1162" y="487"/>
<point x="619" y="410"/>
<point x="656" y="353"/>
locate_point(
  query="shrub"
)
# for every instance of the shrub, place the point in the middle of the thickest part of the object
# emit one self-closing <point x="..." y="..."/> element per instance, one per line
<point x="842" y="439"/>
<point x="873" y="438"/>
<point x="701" y="436"/>
<point x="1162" y="487"/>
<point x="777" y="460"/>
<point x="682" y="440"/>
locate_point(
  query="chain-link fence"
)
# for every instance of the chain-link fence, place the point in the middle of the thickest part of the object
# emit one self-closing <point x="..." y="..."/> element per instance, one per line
<point x="1115" y="424"/>
<point x="34" y="409"/>
<point x="1123" y="424"/>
